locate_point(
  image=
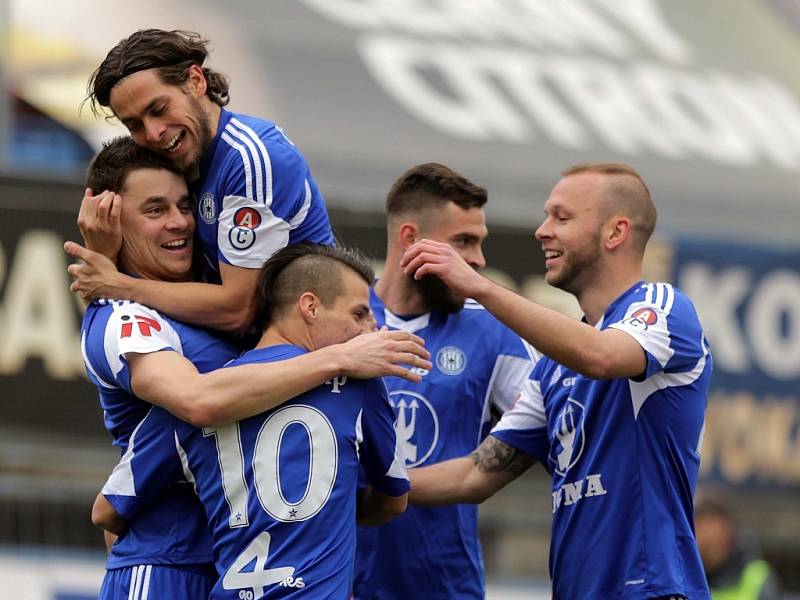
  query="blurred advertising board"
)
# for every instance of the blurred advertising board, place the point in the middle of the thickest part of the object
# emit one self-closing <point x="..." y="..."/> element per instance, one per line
<point x="748" y="298"/>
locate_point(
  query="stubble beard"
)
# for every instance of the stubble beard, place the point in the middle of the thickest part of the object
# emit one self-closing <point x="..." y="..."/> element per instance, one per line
<point x="192" y="170"/>
<point x="577" y="266"/>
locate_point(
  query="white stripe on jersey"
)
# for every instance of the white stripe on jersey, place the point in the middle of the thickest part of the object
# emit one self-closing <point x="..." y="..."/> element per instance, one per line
<point x="120" y="482"/>
<point x="263" y="154"/>
<point x="248" y="173"/>
<point x="411" y="325"/>
<point x="89" y="368"/>
<point x="187" y="472"/>
<point x="302" y="213"/>
<point x="642" y="390"/>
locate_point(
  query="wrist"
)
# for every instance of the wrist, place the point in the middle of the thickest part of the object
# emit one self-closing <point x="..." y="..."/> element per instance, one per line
<point x="332" y="361"/>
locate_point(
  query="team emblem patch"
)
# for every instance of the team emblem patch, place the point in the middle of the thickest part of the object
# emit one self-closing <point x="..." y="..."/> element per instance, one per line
<point x="207" y="208"/>
<point x="245" y="221"/>
<point x="451" y="360"/>
<point x="568" y="439"/>
<point x="416" y="425"/>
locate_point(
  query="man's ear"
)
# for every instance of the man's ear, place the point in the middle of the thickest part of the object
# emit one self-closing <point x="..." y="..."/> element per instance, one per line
<point x="309" y="305"/>
<point x="407" y="234"/>
<point x="616" y="231"/>
<point x="196" y="83"/>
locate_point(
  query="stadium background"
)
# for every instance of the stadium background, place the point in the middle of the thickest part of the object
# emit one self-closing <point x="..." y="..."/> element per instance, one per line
<point x="703" y="98"/>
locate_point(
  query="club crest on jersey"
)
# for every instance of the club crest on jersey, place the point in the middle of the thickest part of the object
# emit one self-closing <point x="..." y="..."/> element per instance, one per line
<point x="451" y="360"/>
<point x="245" y="221"/>
<point x="207" y="208"/>
<point x="416" y="425"/>
<point x="568" y="438"/>
<point x="643" y="318"/>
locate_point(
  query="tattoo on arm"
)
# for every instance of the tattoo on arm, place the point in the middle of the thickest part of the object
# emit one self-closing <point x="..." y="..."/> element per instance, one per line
<point x="494" y="456"/>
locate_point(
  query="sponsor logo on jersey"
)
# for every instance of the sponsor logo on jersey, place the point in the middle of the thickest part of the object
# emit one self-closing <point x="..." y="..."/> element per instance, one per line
<point x="245" y="221"/>
<point x="416" y="425"/>
<point x="145" y="325"/>
<point x="643" y="318"/>
<point x="207" y="208"/>
<point x="337" y="383"/>
<point x="568" y="438"/>
<point x="575" y="491"/>
<point x="247" y="217"/>
<point x="451" y="360"/>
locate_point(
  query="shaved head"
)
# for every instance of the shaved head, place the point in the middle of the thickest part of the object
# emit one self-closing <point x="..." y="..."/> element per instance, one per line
<point x="625" y="193"/>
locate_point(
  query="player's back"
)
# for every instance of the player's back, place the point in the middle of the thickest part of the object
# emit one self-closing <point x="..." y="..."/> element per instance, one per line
<point x="280" y="488"/>
<point x="172" y="530"/>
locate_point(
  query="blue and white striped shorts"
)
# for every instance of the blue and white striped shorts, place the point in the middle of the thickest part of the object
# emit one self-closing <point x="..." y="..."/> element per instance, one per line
<point x="155" y="582"/>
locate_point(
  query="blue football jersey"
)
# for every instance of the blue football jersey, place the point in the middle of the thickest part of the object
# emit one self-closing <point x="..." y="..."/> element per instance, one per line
<point x="279" y="489"/>
<point x="479" y="366"/>
<point x="624" y="455"/>
<point x="173" y="530"/>
<point x="256" y="195"/>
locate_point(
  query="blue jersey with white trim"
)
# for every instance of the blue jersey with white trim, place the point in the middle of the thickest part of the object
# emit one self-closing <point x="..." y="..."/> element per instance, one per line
<point x="255" y="197"/>
<point x="279" y="489"/>
<point x="172" y="531"/>
<point x="479" y="366"/>
<point x="624" y="455"/>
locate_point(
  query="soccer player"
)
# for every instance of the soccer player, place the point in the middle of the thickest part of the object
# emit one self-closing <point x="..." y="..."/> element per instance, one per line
<point x="135" y="357"/>
<point x="253" y="188"/>
<point x="479" y="368"/>
<point x="279" y="489"/>
<point x="616" y="406"/>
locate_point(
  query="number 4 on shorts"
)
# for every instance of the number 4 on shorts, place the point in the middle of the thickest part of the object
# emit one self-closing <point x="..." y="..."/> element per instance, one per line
<point x="258" y="578"/>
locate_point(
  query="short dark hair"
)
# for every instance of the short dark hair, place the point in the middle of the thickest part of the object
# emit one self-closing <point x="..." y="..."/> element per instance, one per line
<point x="432" y="185"/>
<point x="302" y="268"/>
<point x="170" y="52"/>
<point x="118" y="157"/>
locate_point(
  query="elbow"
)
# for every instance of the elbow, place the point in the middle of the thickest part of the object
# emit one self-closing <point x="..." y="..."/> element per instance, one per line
<point x="598" y="364"/>
<point x="391" y="509"/>
<point x="105" y="517"/>
<point x="202" y="411"/>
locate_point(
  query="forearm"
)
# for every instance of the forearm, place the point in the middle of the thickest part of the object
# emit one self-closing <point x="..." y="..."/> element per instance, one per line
<point x="574" y="344"/>
<point x="226" y="395"/>
<point x="203" y="304"/>
<point x="237" y="393"/>
<point x="444" y="483"/>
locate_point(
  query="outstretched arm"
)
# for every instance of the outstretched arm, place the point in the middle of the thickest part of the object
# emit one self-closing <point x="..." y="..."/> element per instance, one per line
<point x="169" y="380"/>
<point x="226" y="307"/>
<point x="606" y="354"/>
<point x="469" y="479"/>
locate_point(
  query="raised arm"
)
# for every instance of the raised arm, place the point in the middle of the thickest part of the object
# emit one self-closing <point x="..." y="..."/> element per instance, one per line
<point x="469" y="479"/>
<point x="606" y="354"/>
<point x="226" y="307"/>
<point x="169" y="380"/>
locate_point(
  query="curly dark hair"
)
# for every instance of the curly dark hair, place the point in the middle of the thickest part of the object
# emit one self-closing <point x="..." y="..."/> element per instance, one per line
<point x="170" y="52"/>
